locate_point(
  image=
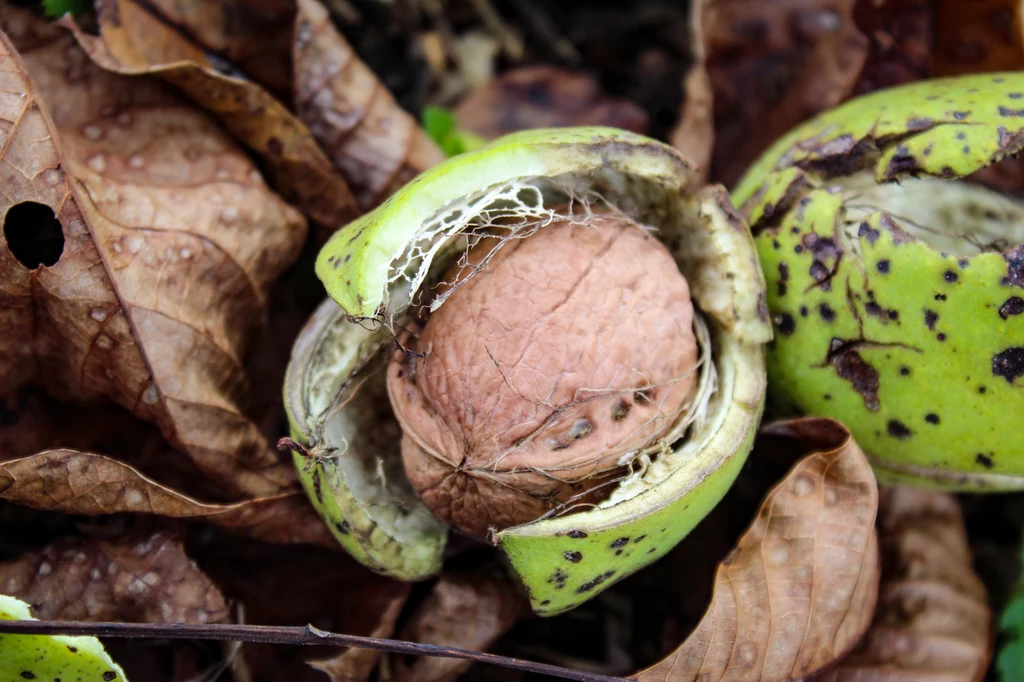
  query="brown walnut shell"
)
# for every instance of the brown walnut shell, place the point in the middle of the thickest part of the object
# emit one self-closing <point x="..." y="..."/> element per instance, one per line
<point x="552" y="362"/>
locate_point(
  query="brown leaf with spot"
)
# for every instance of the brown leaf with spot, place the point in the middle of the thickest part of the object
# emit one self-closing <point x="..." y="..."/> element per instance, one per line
<point x="170" y="242"/>
<point x="376" y="144"/>
<point x="933" y="621"/>
<point x="84" y="483"/>
<point x="799" y="589"/>
<point x="133" y="42"/>
<point x="544" y="97"/>
<point x="144" y="578"/>
<point x="464" y="610"/>
<point x="773" y="65"/>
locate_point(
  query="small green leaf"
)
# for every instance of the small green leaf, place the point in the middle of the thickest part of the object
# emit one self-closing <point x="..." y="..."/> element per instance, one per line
<point x="58" y="8"/>
<point x="1012" y="619"/>
<point x="440" y="124"/>
<point x="51" y="657"/>
<point x="1010" y="659"/>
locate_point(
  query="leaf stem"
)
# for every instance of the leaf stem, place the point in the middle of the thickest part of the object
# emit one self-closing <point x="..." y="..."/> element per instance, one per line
<point x="297" y="636"/>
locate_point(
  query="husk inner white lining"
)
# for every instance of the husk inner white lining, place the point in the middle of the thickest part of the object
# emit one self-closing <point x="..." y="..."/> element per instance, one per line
<point x="958" y="218"/>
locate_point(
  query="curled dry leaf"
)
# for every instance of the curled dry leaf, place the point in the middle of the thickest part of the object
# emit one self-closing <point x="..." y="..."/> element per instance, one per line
<point x="544" y="97"/>
<point x="932" y="621"/>
<point x="165" y="242"/>
<point x="376" y="144"/>
<point x="799" y="589"/>
<point x="773" y="65"/>
<point x="144" y="578"/>
<point x="468" y="611"/>
<point x="254" y="35"/>
<point x="694" y="132"/>
<point x="32" y="421"/>
<point x="134" y="42"/>
<point x="83" y="483"/>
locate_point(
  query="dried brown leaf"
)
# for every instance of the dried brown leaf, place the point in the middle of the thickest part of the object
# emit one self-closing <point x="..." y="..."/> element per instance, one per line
<point x="800" y="587"/>
<point x="376" y="144"/>
<point x="978" y="37"/>
<point x="171" y="240"/>
<point x="253" y="35"/>
<point x="356" y="665"/>
<point x="544" y="97"/>
<point x="773" y="65"/>
<point x="933" y="622"/>
<point x="902" y="35"/>
<point x="83" y="483"/>
<point x="295" y="585"/>
<point x="915" y="39"/>
<point x="468" y="611"/>
<point x="694" y="132"/>
<point x="134" y="42"/>
<point x="144" y="578"/>
<point x="31" y="422"/>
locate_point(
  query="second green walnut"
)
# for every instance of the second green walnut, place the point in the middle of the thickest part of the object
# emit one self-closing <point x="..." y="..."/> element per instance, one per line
<point x="896" y="278"/>
<point x="554" y="344"/>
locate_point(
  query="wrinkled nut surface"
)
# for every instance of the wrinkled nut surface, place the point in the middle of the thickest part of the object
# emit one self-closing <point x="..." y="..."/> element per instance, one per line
<point x="534" y="381"/>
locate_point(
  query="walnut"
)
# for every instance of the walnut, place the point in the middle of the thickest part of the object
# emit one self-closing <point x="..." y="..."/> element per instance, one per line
<point x="546" y="370"/>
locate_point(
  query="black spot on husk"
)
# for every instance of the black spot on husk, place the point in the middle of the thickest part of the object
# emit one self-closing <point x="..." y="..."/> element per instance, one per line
<point x="1014" y="267"/>
<point x="851" y="366"/>
<point x="898" y="429"/>
<point x="588" y="586"/>
<point x="1009" y="364"/>
<point x="865" y="230"/>
<point x="1011" y="306"/>
<point x="785" y="323"/>
<point x="317" y="486"/>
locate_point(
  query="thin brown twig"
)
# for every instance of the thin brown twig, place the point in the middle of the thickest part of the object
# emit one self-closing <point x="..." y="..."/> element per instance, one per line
<point x="296" y="636"/>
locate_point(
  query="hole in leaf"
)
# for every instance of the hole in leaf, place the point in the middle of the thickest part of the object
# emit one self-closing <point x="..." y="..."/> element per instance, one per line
<point x="33" y="234"/>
